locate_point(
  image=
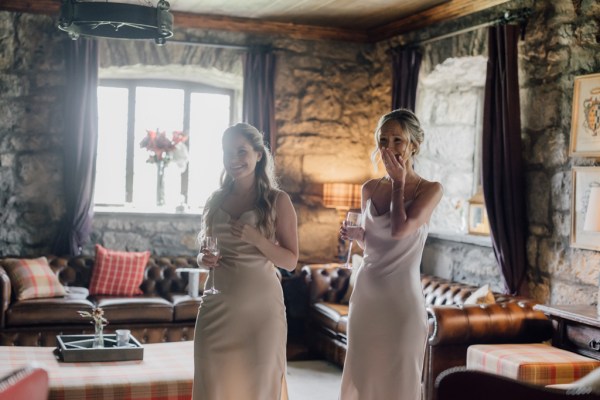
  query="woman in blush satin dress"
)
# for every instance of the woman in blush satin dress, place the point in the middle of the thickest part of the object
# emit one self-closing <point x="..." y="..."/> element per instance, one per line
<point x="240" y="335"/>
<point x="387" y="324"/>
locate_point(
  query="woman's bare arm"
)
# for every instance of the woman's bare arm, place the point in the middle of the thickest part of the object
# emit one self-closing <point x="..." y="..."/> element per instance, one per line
<point x="406" y="221"/>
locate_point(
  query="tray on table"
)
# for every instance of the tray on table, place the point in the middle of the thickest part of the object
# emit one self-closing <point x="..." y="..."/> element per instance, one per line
<point x="79" y="348"/>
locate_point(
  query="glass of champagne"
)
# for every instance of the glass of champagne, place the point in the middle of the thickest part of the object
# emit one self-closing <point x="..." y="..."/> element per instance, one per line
<point x="351" y="223"/>
<point x="210" y="243"/>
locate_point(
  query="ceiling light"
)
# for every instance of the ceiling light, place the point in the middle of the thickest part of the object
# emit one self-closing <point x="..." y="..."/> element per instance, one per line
<point x="116" y="20"/>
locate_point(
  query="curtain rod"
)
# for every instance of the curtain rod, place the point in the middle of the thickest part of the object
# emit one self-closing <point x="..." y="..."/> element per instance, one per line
<point x="521" y="15"/>
<point x="219" y="45"/>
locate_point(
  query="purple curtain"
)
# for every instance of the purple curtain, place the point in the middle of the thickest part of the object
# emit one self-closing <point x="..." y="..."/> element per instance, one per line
<point x="80" y="140"/>
<point x="502" y="171"/>
<point x="259" y="93"/>
<point x="405" y="76"/>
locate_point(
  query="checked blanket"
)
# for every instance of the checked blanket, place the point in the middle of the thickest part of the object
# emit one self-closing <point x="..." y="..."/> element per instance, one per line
<point x="165" y="373"/>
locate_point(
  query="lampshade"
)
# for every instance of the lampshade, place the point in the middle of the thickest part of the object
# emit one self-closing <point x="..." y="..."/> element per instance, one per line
<point x="341" y="195"/>
<point x="116" y="20"/>
<point x="592" y="215"/>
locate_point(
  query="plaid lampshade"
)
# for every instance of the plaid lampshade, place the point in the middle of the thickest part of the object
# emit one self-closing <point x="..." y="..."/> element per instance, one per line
<point x="341" y="195"/>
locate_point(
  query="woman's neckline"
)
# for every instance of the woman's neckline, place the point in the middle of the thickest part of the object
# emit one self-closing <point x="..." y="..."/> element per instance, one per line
<point x="239" y="216"/>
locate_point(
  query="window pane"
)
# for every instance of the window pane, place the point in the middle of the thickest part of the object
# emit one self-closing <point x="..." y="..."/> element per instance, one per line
<point x="210" y="116"/>
<point x="162" y="109"/>
<point x="112" y="146"/>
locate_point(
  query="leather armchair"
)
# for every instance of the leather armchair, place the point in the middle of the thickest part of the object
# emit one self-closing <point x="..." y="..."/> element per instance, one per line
<point x="29" y="383"/>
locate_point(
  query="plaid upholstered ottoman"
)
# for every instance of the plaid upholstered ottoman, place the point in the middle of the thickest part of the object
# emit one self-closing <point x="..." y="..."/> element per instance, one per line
<point x="537" y="363"/>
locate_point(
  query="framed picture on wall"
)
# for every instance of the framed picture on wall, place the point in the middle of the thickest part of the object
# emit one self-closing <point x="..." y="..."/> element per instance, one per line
<point x="585" y="233"/>
<point x="585" y="118"/>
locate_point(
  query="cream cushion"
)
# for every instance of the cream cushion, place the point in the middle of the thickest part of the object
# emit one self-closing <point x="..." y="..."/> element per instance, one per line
<point x="483" y="295"/>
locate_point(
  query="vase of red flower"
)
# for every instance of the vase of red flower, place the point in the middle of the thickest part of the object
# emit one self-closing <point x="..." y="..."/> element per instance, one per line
<point x="163" y="150"/>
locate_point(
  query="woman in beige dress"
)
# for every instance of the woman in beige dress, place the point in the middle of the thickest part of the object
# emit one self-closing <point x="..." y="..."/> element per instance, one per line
<point x="240" y="336"/>
<point x="387" y="324"/>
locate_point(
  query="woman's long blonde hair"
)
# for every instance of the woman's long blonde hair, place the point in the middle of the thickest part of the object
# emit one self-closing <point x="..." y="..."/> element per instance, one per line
<point x="266" y="184"/>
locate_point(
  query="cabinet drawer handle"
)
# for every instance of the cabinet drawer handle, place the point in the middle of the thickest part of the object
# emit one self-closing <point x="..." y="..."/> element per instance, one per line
<point x="594" y="345"/>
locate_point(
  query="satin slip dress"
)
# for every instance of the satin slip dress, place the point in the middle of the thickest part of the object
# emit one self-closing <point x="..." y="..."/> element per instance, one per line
<point x="387" y="321"/>
<point x="240" y="335"/>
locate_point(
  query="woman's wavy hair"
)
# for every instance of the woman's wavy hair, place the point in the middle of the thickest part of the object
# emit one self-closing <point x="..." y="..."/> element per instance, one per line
<point x="266" y="184"/>
<point x="408" y="122"/>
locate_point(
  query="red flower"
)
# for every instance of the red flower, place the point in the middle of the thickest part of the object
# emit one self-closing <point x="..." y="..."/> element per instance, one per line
<point x="158" y="143"/>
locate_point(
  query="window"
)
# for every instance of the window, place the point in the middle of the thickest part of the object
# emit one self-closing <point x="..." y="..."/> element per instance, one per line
<point x="450" y="108"/>
<point x="127" y="109"/>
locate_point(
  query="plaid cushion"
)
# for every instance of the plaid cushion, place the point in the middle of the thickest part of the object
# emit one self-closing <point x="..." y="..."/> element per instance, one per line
<point x="32" y="278"/>
<point x="118" y="273"/>
<point x="536" y="363"/>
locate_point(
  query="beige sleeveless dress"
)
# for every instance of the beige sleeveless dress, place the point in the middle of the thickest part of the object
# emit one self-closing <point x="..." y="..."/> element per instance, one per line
<point x="387" y="322"/>
<point x="240" y="335"/>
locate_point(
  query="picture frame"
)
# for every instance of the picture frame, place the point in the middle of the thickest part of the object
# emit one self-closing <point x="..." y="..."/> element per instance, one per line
<point x="585" y="117"/>
<point x="584" y="178"/>
<point x="478" y="220"/>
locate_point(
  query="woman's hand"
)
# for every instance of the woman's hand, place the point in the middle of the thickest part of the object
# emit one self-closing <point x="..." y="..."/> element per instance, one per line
<point x="395" y="167"/>
<point x="206" y="258"/>
<point x="351" y="232"/>
<point x="245" y="232"/>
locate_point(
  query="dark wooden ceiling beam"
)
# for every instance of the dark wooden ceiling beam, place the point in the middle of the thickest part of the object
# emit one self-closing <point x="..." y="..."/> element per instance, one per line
<point x="247" y="25"/>
<point x="449" y="10"/>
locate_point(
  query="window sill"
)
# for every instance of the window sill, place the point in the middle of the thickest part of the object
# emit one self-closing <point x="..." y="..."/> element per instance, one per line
<point x="484" y="241"/>
<point x="145" y="211"/>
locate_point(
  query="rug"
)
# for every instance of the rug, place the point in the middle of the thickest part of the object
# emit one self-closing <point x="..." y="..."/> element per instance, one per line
<point x="313" y="380"/>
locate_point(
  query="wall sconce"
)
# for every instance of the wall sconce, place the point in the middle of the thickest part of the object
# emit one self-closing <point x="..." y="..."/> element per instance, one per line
<point x="592" y="216"/>
<point x="478" y="218"/>
<point x="342" y="196"/>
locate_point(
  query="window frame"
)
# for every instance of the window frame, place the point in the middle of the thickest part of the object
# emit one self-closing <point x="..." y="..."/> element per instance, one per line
<point x="188" y="88"/>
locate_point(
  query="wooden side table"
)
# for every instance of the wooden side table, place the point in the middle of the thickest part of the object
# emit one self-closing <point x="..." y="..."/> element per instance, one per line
<point x="576" y="328"/>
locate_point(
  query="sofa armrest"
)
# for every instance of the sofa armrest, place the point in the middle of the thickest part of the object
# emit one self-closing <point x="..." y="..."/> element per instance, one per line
<point x="5" y="295"/>
<point x="511" y="322"/>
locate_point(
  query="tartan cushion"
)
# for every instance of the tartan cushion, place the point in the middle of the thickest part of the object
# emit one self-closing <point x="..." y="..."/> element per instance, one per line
<point x="535" y="363"/>
<point x="32" y="278"/>
<point x="118" y="273"/>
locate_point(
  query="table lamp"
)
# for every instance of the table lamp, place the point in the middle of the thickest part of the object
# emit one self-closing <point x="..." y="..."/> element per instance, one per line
<point x="341" y="196"/>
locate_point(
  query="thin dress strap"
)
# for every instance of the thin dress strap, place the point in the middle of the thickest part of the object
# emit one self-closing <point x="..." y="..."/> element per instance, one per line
<point x="416" y="192"/>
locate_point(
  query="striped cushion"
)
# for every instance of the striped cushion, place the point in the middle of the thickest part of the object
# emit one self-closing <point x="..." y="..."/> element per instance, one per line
<point x="536" y="363"/>
<point x="32" y="278"/>
<point x="118" y="273"/>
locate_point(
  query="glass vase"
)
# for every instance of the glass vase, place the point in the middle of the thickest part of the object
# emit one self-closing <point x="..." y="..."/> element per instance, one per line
<point x="98" y="336"/>
<point x="160" y="183"/>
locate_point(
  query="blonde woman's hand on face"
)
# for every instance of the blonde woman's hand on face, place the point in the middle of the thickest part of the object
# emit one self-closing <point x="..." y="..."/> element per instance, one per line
<point x="245" y="232"/>
<point x="394" y="166"/>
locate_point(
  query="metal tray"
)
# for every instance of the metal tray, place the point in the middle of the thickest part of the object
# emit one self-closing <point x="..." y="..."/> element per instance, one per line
<point x="78" y="348"/>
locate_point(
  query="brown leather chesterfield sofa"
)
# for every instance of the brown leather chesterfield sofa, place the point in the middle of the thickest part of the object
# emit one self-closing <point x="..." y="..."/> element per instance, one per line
<point x="452" y="326"/>
<point x="163" y="313"/>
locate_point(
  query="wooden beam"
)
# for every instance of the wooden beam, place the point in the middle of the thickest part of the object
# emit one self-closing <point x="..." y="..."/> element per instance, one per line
<point x="248" y="25"/>
<point x="48" y="7"/>
<point x="444" y="12"/>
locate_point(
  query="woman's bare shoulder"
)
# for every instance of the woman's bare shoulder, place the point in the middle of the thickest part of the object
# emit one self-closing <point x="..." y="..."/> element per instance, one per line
<point x="430" y="188"/>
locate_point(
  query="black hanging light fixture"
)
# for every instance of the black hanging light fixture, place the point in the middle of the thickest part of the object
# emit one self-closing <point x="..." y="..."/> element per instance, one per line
<point x="116" y="20"/>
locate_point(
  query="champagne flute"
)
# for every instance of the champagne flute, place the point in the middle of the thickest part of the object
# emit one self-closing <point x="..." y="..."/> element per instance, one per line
<point x="352" y="221"/>
<point x="210" y="243"/>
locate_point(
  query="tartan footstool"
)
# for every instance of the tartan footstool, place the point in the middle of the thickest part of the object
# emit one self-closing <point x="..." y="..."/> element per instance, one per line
<point x="536" y="363"/>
